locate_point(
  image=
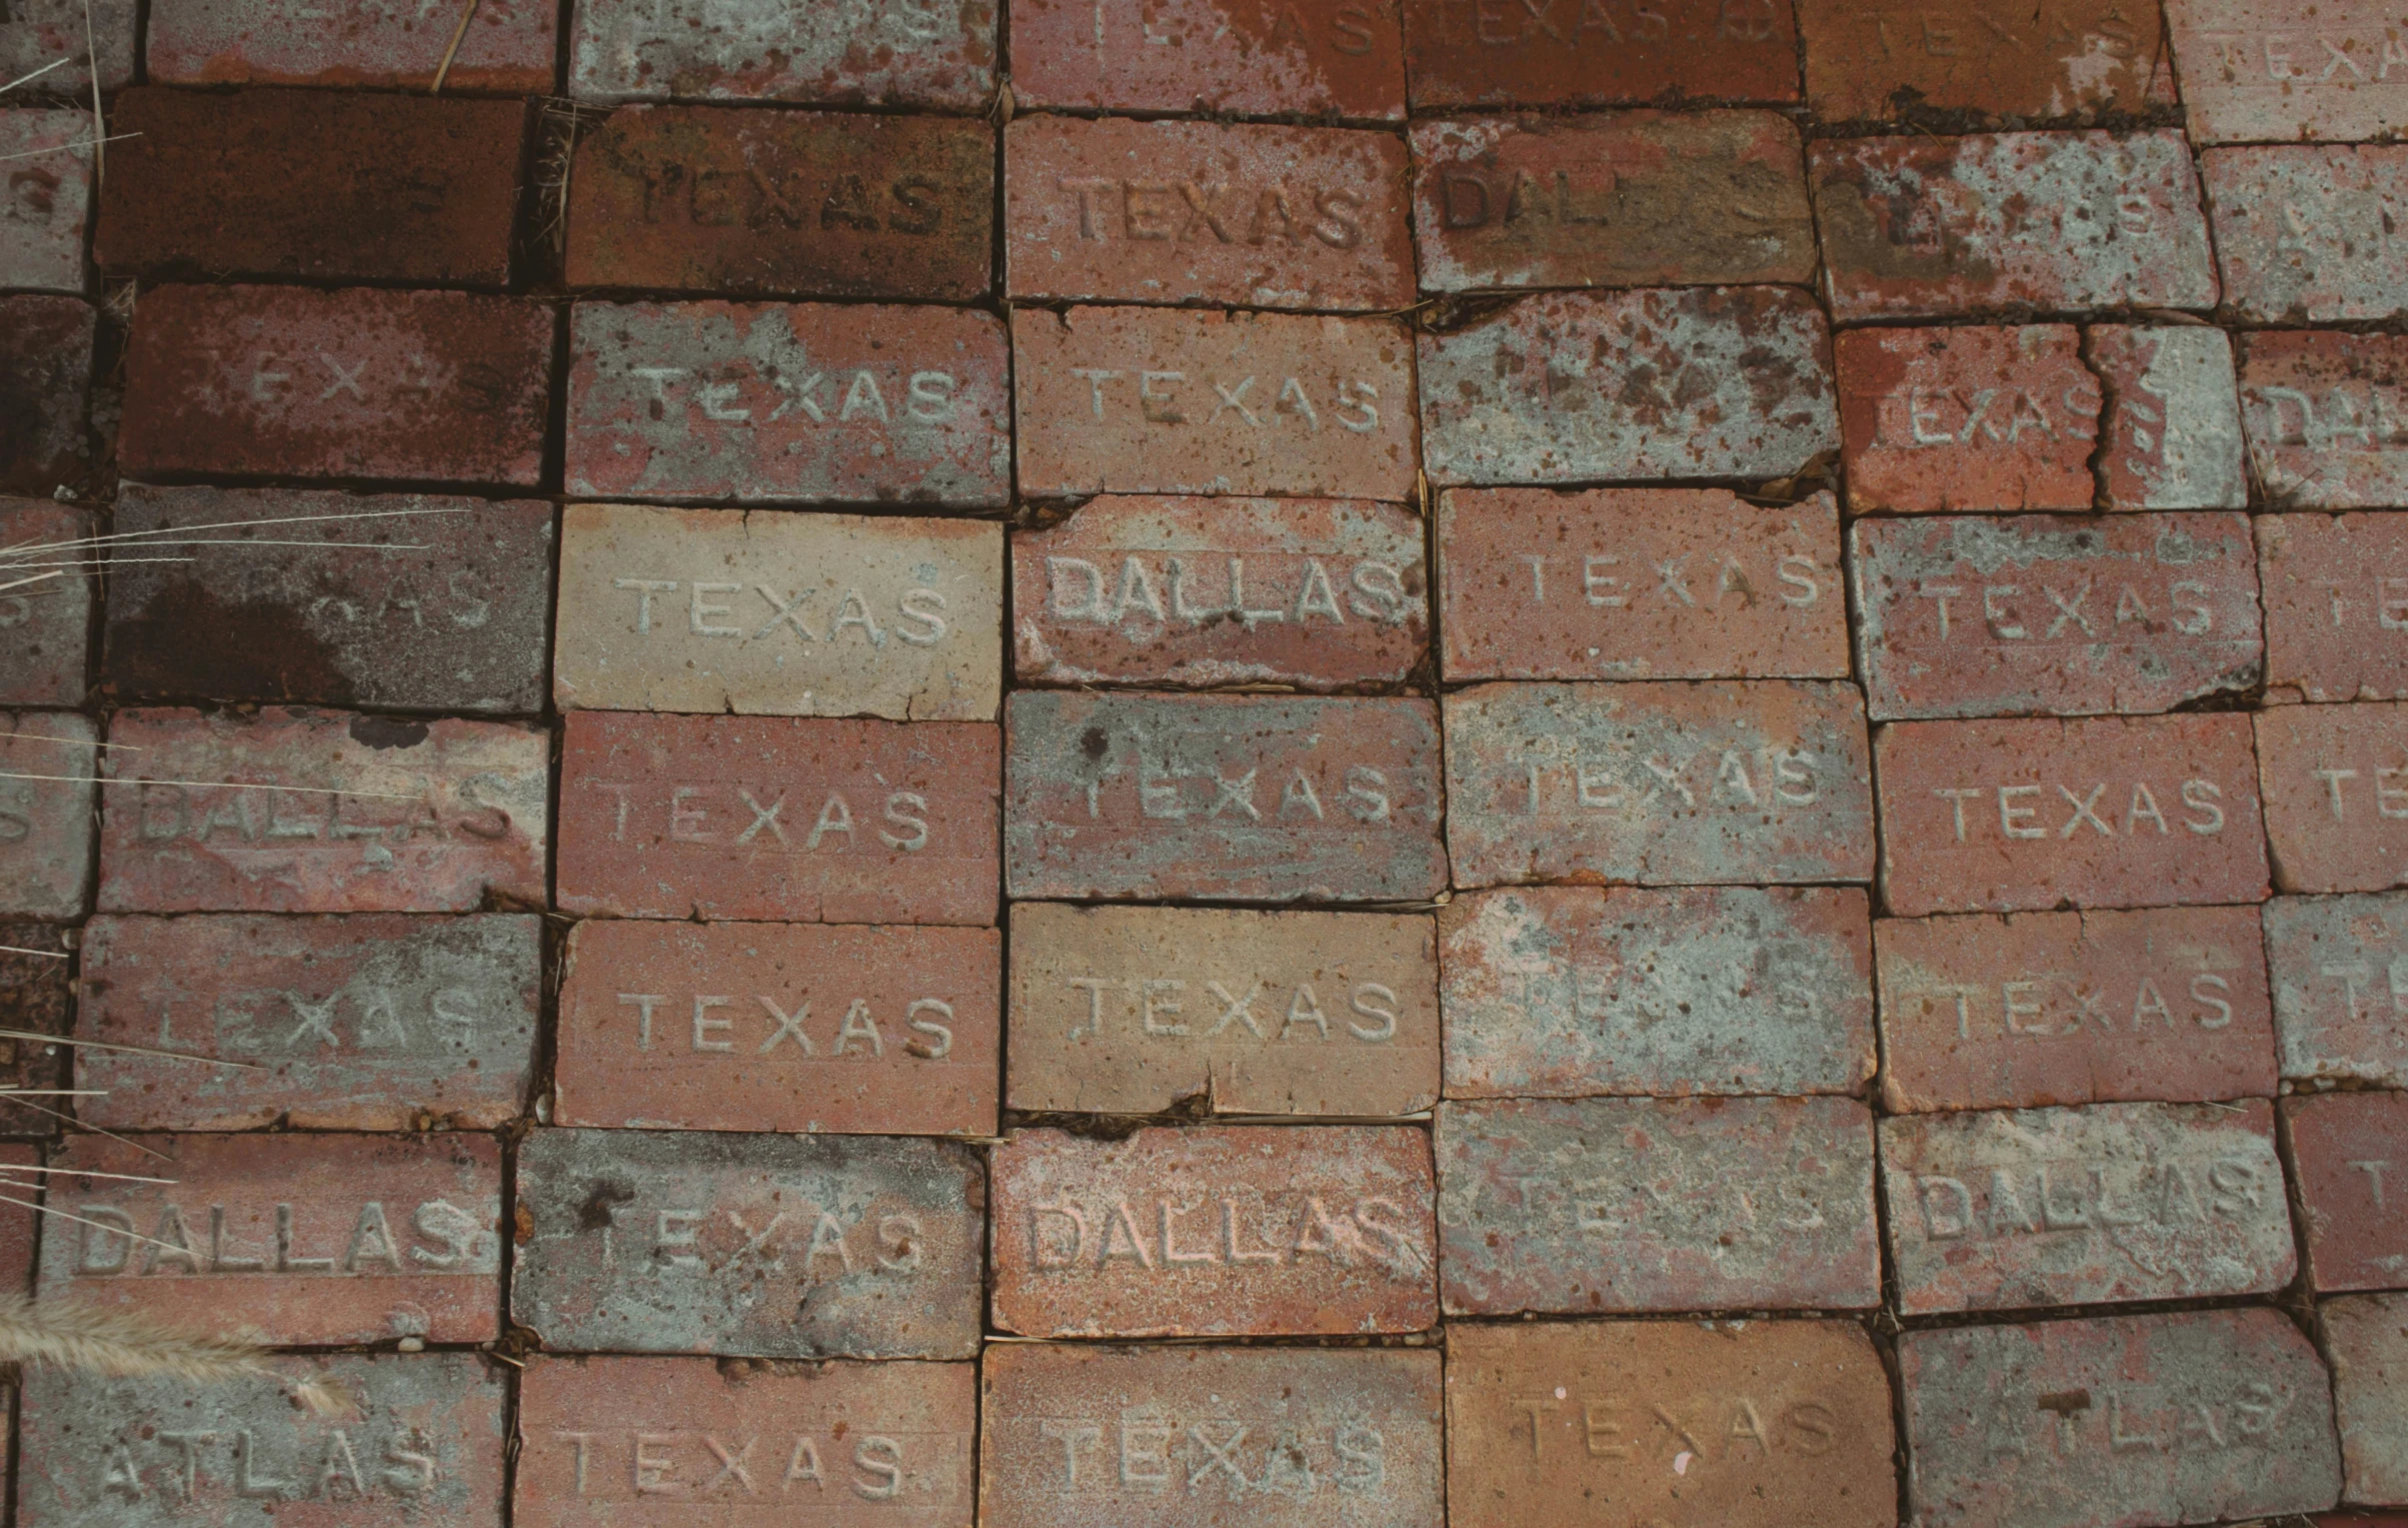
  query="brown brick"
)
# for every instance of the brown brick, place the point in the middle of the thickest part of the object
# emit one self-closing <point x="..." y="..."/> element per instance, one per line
<point x="1137" y="1010"/>
<point x="689" y="816"/>
<point x="817" y="204"/>
<point x="939" y="54"/>
<point x="1938" y="418"/>
<point x="48" y="196"/>
<point x="2173" y="416"/>
<point x="2334" y="606"/>
<point x="2339" y="969"/>
<point x="17" y="1221"/>
<point x="2264" y="69"/>
<point x="381" y="1021"/>
<point x="45" y="389"/>
<point x="47" y="803"/>
<point x="1225" y="57"/>
<point x="2350" y="1151"/>
<point x="1992" y="58"/>
<point x="2303" y="230"/>
<point x="2327" y="417"/>
<point x="1214" y="1231"/>
<point x="40" y="32"/>
<point x="507" y="47"/>
<point x="45" y="619"/>
<point x="1482" y="53"/>
<point x="2332" y="789"/>
<point x="2367" y="1336"/>
<point x="35" y="994"/>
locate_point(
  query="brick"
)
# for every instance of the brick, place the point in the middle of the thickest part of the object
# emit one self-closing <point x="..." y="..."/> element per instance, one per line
<point x="689" y="816"/>
<point x="1223" y="798"/>
<point x="640" y="1439"/>
<point x="2025" y="1009"/>
<point x="2070" y="58"/>
<point x="456" y="624"/>
<point x="34" y="998"/>
<point x="2331" y="792"/>
<point x="1570" y="992"/>
<point x="1985" y="615"/>
<point x="2262" y="69"/>
<point x="46" y="809"/>
<point x="1598" y="1205"/>
<point x="940" y="54"/>
<point x="1137" y="1010"/>
<point x="2327" y="417"/>
<point x="17" y="1226"/>
<point x="2303" y="232"/>
<point x="1658" y="783"/>
<point x="1937" y="419"/>
<point x="797" y="403"/>
<point x="423" y="1440"/>
<point x="438" y="387"/>
<point x="2100" y="812"/>
<point x="1328" y="593"/>
<point x="2368" y="1338"/>
<point x="724" y="609"/>
<point x="42" y="215"/>
<point x="1783" y="1422"/>
<point x="2336" y="1009"/>
<point x="1473" y="53"/>
<point x="2174" y="417"/>
<point x="1154" y="1236"/>
<point x="817" y="204"/>
<point x="1564" y="387"/>
<point x="2135" y="1421"/>
<point x="44" y="626"/>
<point x="1201" y="1438"/>
<point x="40" y="32"/>
<point x="507" y="48"/>
<point x="1223" y="57"/>
<point x="774" y="1246"/>
<point x="45" y="389"/>
<point x="1138" y="400"/>
<point x="313" y="1239"/>
<point x="2333" y="608"/>
<point x="1620" y="199"/>
<point x="1917" y="227"/>
<point x="399" y="188"/>
<point x="382" y="1022"/>
<point x="848" y="1030"/>
<point x="1205" y="212"/>
<point x="2347" y="1150"/>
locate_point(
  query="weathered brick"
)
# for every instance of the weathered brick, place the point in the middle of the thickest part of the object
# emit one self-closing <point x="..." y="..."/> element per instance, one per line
<point x="382" y="1022"/>
<point x="1936" y="419"/>
<point x="1223" y="798"/>
<point x="1325" y="593"/>
<point x="1927" y="227"/>
<point x="1200" y="1437"/>
<point x="1658" y="783"/>
<point x="2332" y="789"/>
<point x="506" y="48"/>
<point x="45" y="389"/>
<point x="2099" y="812"/>
<point x="18" y="1221"/>
<point x="47" y="197"/>
<point x="399" y="188"/>
<point x="2174" y="417"/>
<point x="2136" y="1421"/>
<point x="2303" y="232"/>
<point x="775" y="1246"/>
<point x="1745" y="1424"/>
<point x="1713" y="382"/>
<point x="1596" y="1205"/>
<point x="2349" y="1151"/>
<point x="47" y="806"/>
<point x="793" y="403"/>
<point x="46" y="618"/>
<point x="1480" y="53"/>
<point x="301" y="1239"/>
<point x="939" y="54"/>
<point x="1153" y="1237"/>
<point x="815" y="204"/>
<point x="2327" y="417"/>
<point x="1205" y="212"/>
<point x="1987" y="616"/>
<point x="775" y="1026"/>
<point x="1134" y="1010"/>
<point x="714" y="610"/>
<point x="2265" y="69"/>
<point x="40" y="32"/>
<point x="1140" y="400"/>
<point x="454" y="622"/>
<point x="2334" y="608"/>
<point x="684" y="816"/>
<point x="2367" y="1336"/>
<point x="2339" y="971"/>
<point x="1568" y="992"/>
<point x="35" y="994"/>
<point x="1224" y="57"/>
<point x="1991" y="57"/>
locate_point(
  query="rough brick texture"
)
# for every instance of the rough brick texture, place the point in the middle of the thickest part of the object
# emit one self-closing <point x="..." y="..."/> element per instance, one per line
<point x="2339" y="971"/>
<point x="939" y="54"/>
<point x="2335" y="588"/>
<point x="1234" y="57"/>
<point x="1467" y="53"/>
<point x="2350" y="1151"/>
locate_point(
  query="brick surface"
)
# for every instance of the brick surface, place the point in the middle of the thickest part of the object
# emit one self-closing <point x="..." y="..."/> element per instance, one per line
<point x="457" y="622"/>
<point x="815" y="204"/>
<point x="773" y="1026"/>
<point x="2303" y="232"/>
<point x="46" y="200"/>
<point x="45" y="389"/>
<point x="1598" y="1205"/>
<point x="44" y="627"/>
<point x="2334" y="606"/>
<point x="1717" y="382"/>
<point x="1782" y="1422"/>
<point x="1568" y="992"/>
<point x="779" y="819"/>
<point x="775" y="1246"/>
<point x="2350" y="1155"/>
<point x="1133" y="400"/>
<point x="1199" y="1437"/>
<point x="2174" y="417"/>
<point x="1232" y="57"/>
<point x="2367" y="1336"/>
<point x="802" y="403"/>
<point x="800" y="614"/>
<point x="2327" y="417"/>
<point x="1622" y="199"/>
<point x="1638" y="583"/>
<point x="1214" y="1231"/>
<point x="47" y="806"/>
<point x="2332" y="787"/>
<point x="371" y="1023"/>
<point x="1205" y="212"/>
<point x="1967" y="418"/>
<point x="295" y="1238"/>
<point x="1473" y="53"/>
<point x="1926" y="226"/>
<point x="2123" y="1420"/>
<point x="17" y="1225"/>
<point x="1135" y="1010"/>
<point x="939" y="54"/>
<point x="2339" y="971"/>
<point x="2263" y="69"/>
<point x="2054" y="615"/>
<point x="35" y="994"/>
<point x="2015" y="816"/>
<point x="40" y="32"/>
<point x="2070" y="58"/>
<point x="507" y="48"/>
<point x="1223" y="798"/>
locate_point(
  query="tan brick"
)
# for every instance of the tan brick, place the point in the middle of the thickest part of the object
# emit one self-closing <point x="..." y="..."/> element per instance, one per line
<point x="2335" y="609"/>
<point x="2173" y="416"/>
<point x="50" y="196"/>
<point x="2333" y="787"/>
<point x="2337" y="1006"/>
<point x="2304" y="231"/>
<point x="1992" y="58"/>
<point x="2266" y="70"/>
<point x="2349" y="1152"/>
<point x="47" y="803"/>
<point x="2368" y="1337"/>
<point x="1967" y="418"/>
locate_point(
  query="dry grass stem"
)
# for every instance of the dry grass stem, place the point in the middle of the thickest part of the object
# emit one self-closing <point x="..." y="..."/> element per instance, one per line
<point x="123" y="747"/>
<point x="117" y="1345"/>
<point x="69" y="1039"/>
<point x="27" y="79"/>
<point x="100" y="122"/>
<point x="467" y="13"/>
<point x="114" y="1230"/>
<point x="88" y="1172"/>
<point x="36" y="578"/>
<point x="213" y="784"/>
<point x="69" y="148"/>
<point x="44" y="1109"/>
<point x="19" y="949"/>
<point x="22" y="550"/>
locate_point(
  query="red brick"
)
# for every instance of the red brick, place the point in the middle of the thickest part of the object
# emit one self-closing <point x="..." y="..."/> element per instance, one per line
<point x="507" y="48"/>
<point x="1320" y="594"/>
<point x="1224" y="57"/>
<point x="2304" y="232"/>
<point x="48" y="195"/>
<point x="2367" y="1336"/>
<point x="2173" y="416"/>
<point x="688" y="817"/>
<point x="2327" y="417"/>
<point x="940" y="54"/>
<point x="2065" y="616"/>
<point x="2333" y="785"/>
<point x="1995" y="58"/>
<point x="382" y="1022"/>
<point x="397" y="188"/>
<point x="40" y="32"/>
<point x="17" y="1228"/>
<point x="852" y="1030"/>
<point x="758" y="202"/>
<point x="45" y="625"/>
<point x="1205" y="212"/>
<point x="301" y="1239"/>
<point x="385" y="815"/>
<point x="1214" y="1231"/>
<point x="2339" y="968"/>
<point x="2350" y="1151"/>
<point x="47" y="806"/>
<point x="45" y="389"/>
<point x="2334" y="606"/>
<point x="2266" y="70"/>
<point x="1937" y="419"/>
<point x="35" y="997"/>
<point x="1488" y="53"/>
<point x="2102" y="811"/>
<point x="444" y="386"/>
